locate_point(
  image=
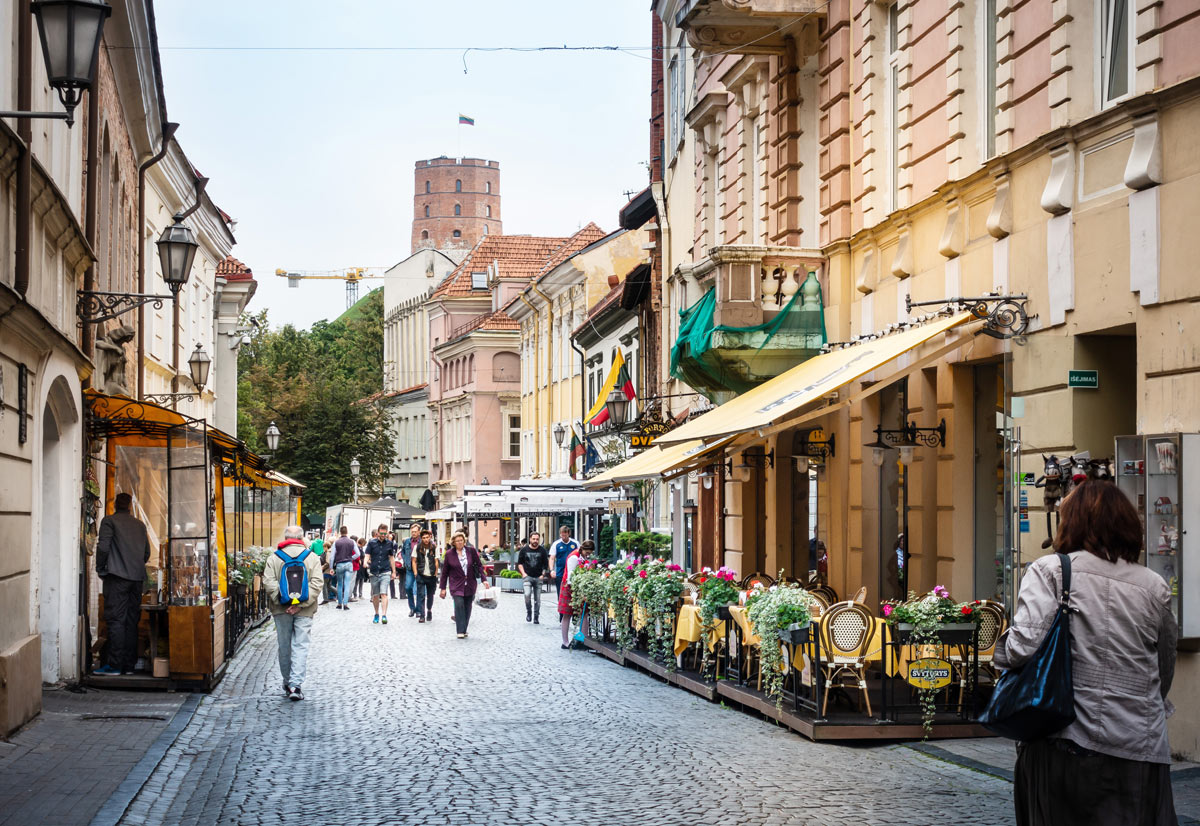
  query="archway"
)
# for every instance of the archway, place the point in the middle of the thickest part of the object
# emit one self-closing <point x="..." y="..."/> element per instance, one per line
<point x="56" y="601"/>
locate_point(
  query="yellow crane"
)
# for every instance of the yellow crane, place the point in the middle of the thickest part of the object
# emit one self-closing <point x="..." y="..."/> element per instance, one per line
<point x="351" y="275"/>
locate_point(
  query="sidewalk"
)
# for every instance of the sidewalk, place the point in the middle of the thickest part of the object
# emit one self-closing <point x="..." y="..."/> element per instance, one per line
<point x="996" y="756"/>
<point x="86" y="755"/>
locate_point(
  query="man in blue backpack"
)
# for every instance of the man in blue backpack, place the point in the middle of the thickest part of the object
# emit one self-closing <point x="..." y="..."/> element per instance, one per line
<point x="293" y="580"/>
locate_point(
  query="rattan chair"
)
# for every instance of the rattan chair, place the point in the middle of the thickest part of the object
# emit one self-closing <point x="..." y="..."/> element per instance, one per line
<point x="766" y="580"/>
<point x="818" y="604"/>
<point x="860" y="596"/>
<point x="827" y="592"/>
<point x="698" y="577"/>
<point x="991" y="626"/>
<point x="846" y="632"/>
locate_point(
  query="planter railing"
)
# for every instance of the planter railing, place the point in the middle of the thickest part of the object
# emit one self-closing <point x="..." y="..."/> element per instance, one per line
<point x="900" y="697"/>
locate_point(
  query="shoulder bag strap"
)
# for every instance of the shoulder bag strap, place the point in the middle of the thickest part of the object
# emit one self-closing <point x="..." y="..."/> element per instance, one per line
<point x="1065" y="596"/>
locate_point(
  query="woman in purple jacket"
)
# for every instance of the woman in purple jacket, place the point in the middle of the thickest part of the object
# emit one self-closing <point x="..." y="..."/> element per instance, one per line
<point x="461" y="569"/>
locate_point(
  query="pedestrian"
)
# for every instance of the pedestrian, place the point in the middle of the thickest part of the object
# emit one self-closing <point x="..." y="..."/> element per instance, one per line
<point x="293" y="620"/>
<point x="345" y="551"/>
<point x="410" y="576"/>
<point x="1112" y="765"/>
<point x="360" y="569"/>
<point x="425" y="574"/>
<point x="381" y="568"/>
<point x="565" y="611"/>
<point x="121" y="556"/>
<point x="559" y="551"/>
<point x="317" y="546"/>
<point x="462" y="569"/>
<point x="532" y="563"/>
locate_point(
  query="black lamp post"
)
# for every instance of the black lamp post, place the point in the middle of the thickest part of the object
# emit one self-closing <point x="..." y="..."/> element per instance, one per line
<point x="177" y="250"/>
<point x="70" y="32"/>
<point x="617" y="406"/>
<point x="272" y="438"/>
<point x="198" y="366"/>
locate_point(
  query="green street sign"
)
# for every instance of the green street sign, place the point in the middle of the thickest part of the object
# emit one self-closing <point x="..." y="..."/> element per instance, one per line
<point x="1088" y="379"/>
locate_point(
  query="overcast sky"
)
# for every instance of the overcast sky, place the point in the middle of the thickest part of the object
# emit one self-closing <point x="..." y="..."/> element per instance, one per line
<point x="312" y="149"/>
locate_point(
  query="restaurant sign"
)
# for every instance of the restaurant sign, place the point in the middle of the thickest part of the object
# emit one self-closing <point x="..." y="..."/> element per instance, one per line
<point x="930" y="673"/>
<point x="650" y="428"/>
<point x="620" y="506"/>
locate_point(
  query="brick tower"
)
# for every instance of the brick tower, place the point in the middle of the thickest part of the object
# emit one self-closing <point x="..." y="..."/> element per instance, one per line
<point x="456" y="202"/>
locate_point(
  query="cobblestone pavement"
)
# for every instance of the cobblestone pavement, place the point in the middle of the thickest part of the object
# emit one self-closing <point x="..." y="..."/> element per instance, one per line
<point x="65" y="765"/>
<point x="404" y="724"/>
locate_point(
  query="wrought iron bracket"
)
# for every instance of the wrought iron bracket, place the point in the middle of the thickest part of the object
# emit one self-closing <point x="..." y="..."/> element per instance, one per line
<point x="167" y="398"/>
<point x="817" y="448"/>
<point x="93" y="306"/>
<point x="910" y="436"/>
<point x="1004" y="316"/>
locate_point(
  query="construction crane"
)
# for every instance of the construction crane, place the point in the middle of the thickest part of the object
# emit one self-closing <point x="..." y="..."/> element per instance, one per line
<point x="352" y="276"/>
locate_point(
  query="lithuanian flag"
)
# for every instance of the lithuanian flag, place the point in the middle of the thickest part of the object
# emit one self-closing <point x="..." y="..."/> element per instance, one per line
<point x="577" y="453"/>
<point x="618" y="378"/>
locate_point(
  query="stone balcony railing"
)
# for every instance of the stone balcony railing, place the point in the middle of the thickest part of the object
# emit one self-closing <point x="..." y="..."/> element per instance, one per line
<point x="755" y="282"/>
<point x="747" y="26"/>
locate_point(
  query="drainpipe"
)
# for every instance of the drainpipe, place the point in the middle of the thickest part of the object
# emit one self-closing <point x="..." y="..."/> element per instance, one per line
<point x="441" y="421"/>
<point x="90" y="211"/>
<point x="537" y="443"/>
<point x="167" y="133"/>
<point x="582" y="385"/>
<point x="549" y="367"/>
<point x="24" y="207"/>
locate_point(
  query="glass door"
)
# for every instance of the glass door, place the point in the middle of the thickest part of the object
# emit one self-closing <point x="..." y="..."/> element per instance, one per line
<point x="191" y="549"/>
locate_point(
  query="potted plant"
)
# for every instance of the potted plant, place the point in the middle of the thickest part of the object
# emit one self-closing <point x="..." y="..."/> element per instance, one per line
<point x="718" y="590"/>
<point x="774" y="612"/>
<point x="619" y="582"/>
<point x="511" y="581"/>
<point x="658" y="589"/>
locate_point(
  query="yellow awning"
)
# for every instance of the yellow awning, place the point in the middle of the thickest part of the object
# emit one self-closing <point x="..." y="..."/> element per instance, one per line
<point x="653" y="462"/>
<point x="804" y="384"/>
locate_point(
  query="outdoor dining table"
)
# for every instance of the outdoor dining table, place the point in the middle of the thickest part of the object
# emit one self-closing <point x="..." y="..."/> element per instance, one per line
<point x="688" y="628"/>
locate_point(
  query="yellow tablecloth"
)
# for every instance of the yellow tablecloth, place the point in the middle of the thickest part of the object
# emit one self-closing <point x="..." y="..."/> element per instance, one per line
<point x="688" y="627"/>
<point x="738" y="613"/>
<point x="874" y="648"/>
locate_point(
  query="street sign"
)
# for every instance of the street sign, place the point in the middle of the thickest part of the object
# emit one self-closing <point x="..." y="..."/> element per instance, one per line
<point x="620" y="505"/>
<point x="1084" y="379"/>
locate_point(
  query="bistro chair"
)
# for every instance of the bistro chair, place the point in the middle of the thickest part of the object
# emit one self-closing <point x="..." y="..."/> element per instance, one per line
<point x="765" y="580"/>
<point x="846" y="632"/>
<point x="818" y="604"/>
<point x="860" y="596"/>
<point x="991" y="626"/>
<point x="827" y="592"/>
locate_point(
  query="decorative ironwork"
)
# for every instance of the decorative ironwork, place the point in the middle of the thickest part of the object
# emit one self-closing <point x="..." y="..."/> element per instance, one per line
<point x="909" y="436"/>
<point x="752" y="460"/>
<point x="116" y="416"/>
<point x="167" y="398"/>
<point x="94" y="306"/>
<point x="22" y="403"/>
<point x="1004" y="316"/>
<point x="817" y="448"/>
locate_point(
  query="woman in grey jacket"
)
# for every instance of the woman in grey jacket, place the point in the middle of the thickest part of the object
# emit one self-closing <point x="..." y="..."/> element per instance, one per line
<point x="1112" y="765"/>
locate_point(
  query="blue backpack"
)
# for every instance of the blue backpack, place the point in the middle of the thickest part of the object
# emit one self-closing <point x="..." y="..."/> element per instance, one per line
<point x="293" y="578"/>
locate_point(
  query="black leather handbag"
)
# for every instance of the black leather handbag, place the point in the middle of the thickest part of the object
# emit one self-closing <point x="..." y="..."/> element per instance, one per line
<point x="1037" y="699"/>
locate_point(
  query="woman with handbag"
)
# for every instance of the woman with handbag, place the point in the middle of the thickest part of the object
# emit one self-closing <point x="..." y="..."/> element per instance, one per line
<point x="1111" y="765"/>
<point x="462" y="570"/>
<point x="565" y="612"/>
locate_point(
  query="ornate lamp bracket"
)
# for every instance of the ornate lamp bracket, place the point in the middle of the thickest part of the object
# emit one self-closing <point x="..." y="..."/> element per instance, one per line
<point x="167" y="398"/>
<point x="1004" y="316"/>
<point x="94" y="306"/>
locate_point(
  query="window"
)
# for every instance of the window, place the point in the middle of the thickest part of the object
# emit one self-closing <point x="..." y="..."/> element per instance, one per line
<point x="514" y="436"/>
<point x="479" y="281"/>
<point x="487" y="187"/>
<point x="427" y="187"/>
<point x="458" y="209"/>
<point x="892" y="126"/>
<point x="458" y="186"/>
<point x="487" y="212"/>
<point x="424" y="235"/>
<point x="674" y="71"/>
<point x="485" y="229"/>
<point x="1115" y="65"/>
<point x="427" y="210"/>
<point x="989" y="78"/>
<point x="457" y="233"/>
<point x="756" y="182"/>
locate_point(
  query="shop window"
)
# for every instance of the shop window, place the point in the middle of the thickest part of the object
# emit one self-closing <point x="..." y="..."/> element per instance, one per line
<point x="1116" y="67"/>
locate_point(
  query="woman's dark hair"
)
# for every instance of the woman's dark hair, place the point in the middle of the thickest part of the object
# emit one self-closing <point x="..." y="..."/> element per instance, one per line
<point x="588" y="545"/>
<point x="1097" y="517"/>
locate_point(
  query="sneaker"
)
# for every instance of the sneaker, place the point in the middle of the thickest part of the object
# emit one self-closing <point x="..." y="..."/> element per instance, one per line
<point x="107" y="671"/>
<point x="565" y="647"/>
<point x="462" y="636"/>
<point x="422" y="619"/>
<point x="296" y="694"/>
<point x="287" y="691"/>
<point x="385" y="619"/>
<point x="376" y="620"/>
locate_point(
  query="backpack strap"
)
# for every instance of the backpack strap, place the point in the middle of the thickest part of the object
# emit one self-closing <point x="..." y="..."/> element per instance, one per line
<point x="279" y="553"/>
<point x="302" y="556"/>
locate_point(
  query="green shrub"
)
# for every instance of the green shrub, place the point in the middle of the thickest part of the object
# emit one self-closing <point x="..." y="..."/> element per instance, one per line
<point x="641" y="543"/>
<point x="508" y="573"/>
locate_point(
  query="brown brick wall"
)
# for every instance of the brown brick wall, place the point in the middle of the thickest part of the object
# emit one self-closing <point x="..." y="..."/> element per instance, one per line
<point x="480" y="193"/>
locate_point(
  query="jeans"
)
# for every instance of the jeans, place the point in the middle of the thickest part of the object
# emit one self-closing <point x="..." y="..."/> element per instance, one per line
<point x="410" y="588"/>
<point x="330" y="587"/>
<point x="122" y="610"/>
<point x="533" y="585"/>
<point x="345" y="580"/>
<point x="425" y="587"/>
<point x="292" y="632"/>
<point x="462" y="612"/>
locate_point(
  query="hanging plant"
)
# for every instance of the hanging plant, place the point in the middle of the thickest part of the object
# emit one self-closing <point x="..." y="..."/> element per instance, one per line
<point x="717" y="590"/>
<point x="658" y="589"/>
<point x="619" y="595"/>
<point x="771" y="611"/>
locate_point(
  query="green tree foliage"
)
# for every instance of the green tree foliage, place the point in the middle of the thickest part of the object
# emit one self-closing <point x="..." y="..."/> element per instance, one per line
<point x="312" y="384"/>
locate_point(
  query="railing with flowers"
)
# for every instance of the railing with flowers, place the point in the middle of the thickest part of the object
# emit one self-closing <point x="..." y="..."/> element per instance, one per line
<point x="770" y="611"/>
<point x="717" y="590"/>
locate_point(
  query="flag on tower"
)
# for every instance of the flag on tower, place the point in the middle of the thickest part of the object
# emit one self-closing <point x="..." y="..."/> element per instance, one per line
<point x="463" y="119"/>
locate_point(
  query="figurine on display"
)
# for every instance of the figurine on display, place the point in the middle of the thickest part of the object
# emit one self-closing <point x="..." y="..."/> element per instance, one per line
<point x="1053" y="489"/>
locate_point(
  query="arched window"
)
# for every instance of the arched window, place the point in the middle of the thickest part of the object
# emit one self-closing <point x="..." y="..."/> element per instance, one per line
<point x="488" y="187"/>
<point x="458" y="209"/>
<point x="487" y="211"/>
<point x="427" y="187"/>
<point x="471" y="367"/>
<point x="427" y="210"/>
<point x="458" y="233"/>
<point x="424" y="235"/>
<point x="458" y="186"/>
<point x="485" y="229"/>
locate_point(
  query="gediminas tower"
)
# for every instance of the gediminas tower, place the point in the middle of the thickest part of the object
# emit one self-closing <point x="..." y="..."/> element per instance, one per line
<point x="456" y="202"/>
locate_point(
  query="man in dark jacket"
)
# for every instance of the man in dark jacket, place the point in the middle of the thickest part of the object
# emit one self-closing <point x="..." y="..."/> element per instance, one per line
<point x="532" y="562"/>
<point x="121" y="557"/>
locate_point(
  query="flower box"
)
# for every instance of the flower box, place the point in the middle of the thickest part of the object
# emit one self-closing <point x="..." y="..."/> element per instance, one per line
<point x="950" y="633"/>
<point x="796" y="634"/>
<point x="511" y="585"/>
<point x="723" y="613"/>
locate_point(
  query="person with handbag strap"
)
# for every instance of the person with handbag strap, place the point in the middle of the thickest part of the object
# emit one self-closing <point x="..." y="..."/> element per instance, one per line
<point x="1111" y="764"/>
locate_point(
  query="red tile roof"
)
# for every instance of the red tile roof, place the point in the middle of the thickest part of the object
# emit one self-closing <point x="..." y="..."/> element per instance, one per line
<point x="232" y="269"/>
<point x="585" y="237"/>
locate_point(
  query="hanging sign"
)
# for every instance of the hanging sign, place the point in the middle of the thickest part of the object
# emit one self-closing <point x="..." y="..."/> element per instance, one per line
<point x="620" y="506"/>
<point x="649" y="429"/>
<point x="1084" y="379"/>
<point x="931" y="673"/>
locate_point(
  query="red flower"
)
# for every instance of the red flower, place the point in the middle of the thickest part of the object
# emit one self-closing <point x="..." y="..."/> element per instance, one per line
<point x="966" y="609"/>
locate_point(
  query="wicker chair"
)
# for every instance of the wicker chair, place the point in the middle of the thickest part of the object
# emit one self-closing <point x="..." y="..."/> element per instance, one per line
<point x="751" y="580"/>
<point x="819" y="604"/>
<point x="846" y="632"/>
<point x="698" y="577"/>
<point x="827" y="592"/>
<point x="991" y="626"/>
<point x="860" y="596"/>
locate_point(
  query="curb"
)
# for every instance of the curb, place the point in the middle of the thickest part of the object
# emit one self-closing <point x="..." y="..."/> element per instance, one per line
<point x="958" y="760"/>
<point x="114" y="808"/>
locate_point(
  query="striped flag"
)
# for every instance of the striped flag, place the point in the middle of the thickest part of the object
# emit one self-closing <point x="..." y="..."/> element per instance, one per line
<point x="577" y="453"/>
<point x="463" y="119"/>
<point x="618" y="379"/>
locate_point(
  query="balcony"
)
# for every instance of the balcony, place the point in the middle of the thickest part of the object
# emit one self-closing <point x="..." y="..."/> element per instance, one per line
<point x="748" y="26"/>
<point x="762" y="313"/>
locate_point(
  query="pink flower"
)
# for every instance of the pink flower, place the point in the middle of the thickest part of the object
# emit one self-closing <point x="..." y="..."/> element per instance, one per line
<point x="887" y="610"/>
<point x="674" y="567"/>
<point x="642" y="574"/>
<point x="939" y="591"/>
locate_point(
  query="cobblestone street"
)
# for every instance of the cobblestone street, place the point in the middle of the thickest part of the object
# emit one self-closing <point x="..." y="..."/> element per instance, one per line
<point x="404" y="724"/>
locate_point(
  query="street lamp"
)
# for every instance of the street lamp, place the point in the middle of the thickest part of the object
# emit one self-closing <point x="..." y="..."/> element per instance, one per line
<point x="70" y="32"/>
<point x="177" y="249"/>
<point x="560" y="433"/>
<point x="198" y="366"/>
<point x="617" y="406"/>
<point x="273" y="438"/>
<point x="355" y="467"/>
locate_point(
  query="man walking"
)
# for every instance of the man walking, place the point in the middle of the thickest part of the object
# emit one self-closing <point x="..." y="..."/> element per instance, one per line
<point x="345" y="550"/>
<point x="381" y="567"/>
<point x="410" y="578"/>
<point x="425" y="566"/>
<point x="532" y="562"/>
<point x="121" y="557"/>
<point x="293" y="620"/>
<point x="563" y="548"/>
